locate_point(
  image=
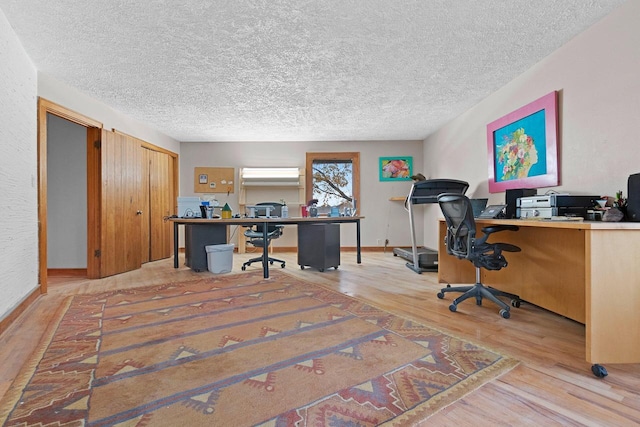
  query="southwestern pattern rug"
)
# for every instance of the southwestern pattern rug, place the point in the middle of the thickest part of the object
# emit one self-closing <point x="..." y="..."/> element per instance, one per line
<point x="241" y="350"/>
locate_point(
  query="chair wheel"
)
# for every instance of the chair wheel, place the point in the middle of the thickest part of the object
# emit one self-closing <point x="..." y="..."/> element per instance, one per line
<point x="599" y="371"/>
<point x="302" y="267"/>
<point x="505" y="313"/>
<point x="515" y="303"/>
<point x="478" y="301"/>
<point x="321" y="270"/>
<point x="440" y="295"/>
<point x="282" y="265"/>
<point x="244" y="267"/>
<point x="271" y="262"/>
<point x="453" y="307"/>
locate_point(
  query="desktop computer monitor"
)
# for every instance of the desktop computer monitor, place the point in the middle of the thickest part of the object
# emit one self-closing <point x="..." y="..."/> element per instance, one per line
<point x="633" y="198"/>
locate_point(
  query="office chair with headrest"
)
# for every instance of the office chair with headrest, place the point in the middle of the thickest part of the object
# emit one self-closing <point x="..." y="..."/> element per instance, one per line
<point x="461" y="242"/>
<point x="255" y="235"/>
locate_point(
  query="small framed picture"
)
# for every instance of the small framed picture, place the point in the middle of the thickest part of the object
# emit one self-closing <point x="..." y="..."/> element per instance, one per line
<point x="395" y="168"/>
<point x="203" y="178"/>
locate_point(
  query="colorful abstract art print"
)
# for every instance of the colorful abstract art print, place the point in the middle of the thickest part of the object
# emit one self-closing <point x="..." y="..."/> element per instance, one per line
<point x="395" y="168"/>
<point x="522" y="147"/>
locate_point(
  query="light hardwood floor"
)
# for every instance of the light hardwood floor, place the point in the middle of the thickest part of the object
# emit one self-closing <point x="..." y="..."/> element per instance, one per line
<point x="552" y="386"/>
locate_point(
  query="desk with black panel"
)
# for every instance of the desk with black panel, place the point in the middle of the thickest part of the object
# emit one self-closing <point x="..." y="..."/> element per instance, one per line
<point x="220" y="224"/>
<point x="586" y="271"/>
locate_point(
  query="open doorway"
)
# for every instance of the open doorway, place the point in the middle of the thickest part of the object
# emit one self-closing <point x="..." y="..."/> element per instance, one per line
<point x="66" y="198"/>
<point x="63" y="118"/>
<point x="109" y="180"/>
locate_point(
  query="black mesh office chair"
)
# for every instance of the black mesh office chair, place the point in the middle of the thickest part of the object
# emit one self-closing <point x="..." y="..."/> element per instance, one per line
<point x="461" y="242"/>
<point x="255" y="235"/>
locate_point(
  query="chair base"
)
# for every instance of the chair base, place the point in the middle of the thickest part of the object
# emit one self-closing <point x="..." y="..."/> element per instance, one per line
<point x="479" y="291"/>
<point x="259" y="259"/>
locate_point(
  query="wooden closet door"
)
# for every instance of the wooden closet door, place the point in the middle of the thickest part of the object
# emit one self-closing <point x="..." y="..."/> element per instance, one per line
<point x="120" y="219"/>
<point x="160" y="202"/>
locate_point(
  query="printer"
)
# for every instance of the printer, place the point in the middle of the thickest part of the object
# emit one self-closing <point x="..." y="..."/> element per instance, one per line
<point x="552" y="205"/>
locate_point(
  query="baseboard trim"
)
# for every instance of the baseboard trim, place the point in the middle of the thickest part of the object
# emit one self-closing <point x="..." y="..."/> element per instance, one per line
<point x="20" y="308"/>
<point x="342" y="249"/>
<point x="67" y="272"/>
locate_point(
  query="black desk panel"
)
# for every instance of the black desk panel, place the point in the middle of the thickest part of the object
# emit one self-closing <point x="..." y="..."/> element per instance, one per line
<point x="265" y="222"/>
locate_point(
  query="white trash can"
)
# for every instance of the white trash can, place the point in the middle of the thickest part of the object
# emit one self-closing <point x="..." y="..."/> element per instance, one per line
<point x="219" y="258"/>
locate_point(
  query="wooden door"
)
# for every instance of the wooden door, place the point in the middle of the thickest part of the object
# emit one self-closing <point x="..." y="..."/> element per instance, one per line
<point x="160" y="203"/>
<point x="157" y="197"/>
<point x="120" y="218"/>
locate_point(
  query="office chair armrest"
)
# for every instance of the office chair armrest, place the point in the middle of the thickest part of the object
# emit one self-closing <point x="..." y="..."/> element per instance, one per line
<point x="279" y="230"/>
<point x="508" y="247"/>
<point x="495" y="228"/>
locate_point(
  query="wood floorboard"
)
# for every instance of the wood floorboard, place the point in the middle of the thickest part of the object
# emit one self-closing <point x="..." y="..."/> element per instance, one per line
<point x="552" y="386"/>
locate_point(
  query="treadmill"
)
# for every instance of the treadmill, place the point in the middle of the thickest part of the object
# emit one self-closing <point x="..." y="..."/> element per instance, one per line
<point x="426" y="259"/>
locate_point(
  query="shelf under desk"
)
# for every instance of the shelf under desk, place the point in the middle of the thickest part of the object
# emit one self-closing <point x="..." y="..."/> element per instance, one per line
<point x="586" y="271"/>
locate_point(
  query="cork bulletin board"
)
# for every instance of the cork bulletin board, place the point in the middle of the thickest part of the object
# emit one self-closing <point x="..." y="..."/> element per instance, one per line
<point x="213" y="180"/>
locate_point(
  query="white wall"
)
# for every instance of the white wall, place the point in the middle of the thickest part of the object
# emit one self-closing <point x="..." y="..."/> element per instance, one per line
<point x="18" y="172"/>
<point x="56" y="91"/>
<point x="597" y="74"/>
<point x="20" y="85"/>
<point x="384" y="219"/>
<point x="66" y="194"/>
<point x="598" y="77"/>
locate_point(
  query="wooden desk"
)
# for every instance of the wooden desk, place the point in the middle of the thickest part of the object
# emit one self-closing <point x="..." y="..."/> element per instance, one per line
<point x="586" y="271"/>
<point x="265" y="222"/>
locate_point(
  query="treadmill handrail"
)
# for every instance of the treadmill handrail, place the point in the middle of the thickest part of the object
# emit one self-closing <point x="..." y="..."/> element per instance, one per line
<point x="427" y="191"/>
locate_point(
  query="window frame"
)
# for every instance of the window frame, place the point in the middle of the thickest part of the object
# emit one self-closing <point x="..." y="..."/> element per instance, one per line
<point x="353" y="157"/>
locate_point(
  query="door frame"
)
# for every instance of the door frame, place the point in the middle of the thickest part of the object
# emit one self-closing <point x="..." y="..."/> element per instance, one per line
<point x="94" y="133"/>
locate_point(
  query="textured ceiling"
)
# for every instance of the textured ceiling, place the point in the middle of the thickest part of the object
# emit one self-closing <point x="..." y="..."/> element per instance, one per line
<point x="284" y="70"/>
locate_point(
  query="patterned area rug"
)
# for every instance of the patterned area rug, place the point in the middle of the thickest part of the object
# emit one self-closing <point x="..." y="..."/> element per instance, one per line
<point x="241" y="350"/>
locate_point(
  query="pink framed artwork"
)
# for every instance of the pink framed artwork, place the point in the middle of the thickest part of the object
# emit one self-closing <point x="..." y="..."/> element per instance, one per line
<point x="523" y="147"/>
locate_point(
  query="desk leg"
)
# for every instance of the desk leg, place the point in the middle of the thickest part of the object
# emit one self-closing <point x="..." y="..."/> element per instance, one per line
<point x="175" y="245"/>
<point x="265" y="252"/>
<point x="358" y="257"/>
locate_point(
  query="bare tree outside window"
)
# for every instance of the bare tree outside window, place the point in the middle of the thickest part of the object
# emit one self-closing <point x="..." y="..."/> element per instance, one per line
<point x="333" y="179"/>
<point x="332" y="182"/>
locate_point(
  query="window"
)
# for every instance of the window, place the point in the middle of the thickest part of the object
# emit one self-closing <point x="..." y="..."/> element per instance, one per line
<point x="333" y="179"/>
